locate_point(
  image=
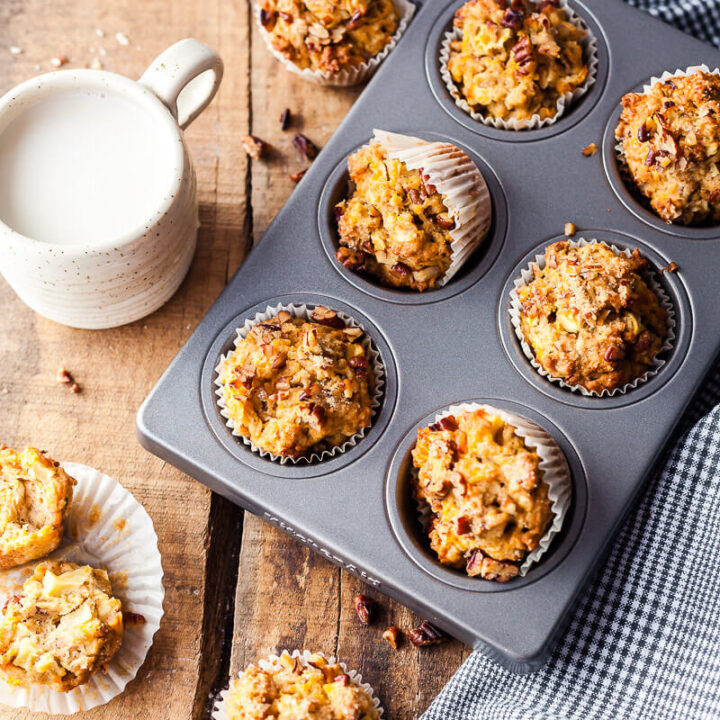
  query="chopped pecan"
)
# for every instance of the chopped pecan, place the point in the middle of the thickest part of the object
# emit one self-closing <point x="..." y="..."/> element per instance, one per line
<point x="63" y="376"/>
<point x="342" y="680"/>
<point x="364" y="608"/>
<point x="427" y="186"/>
<point x="325" y="316"/>
<point x="426" y="634"/>
<point x="351" y="259"/>
<point x="612" y="353"/>
<point x="355" y="19"/>
<point x="523" y="55"/>
<point x="650" y="157"/>
<point x="318" y="412"/>
<point x="414" y="196"/>
<point x="75" y="388"/>
<point x="287" y="17"/>
<point x="305" y="146"/>
<point x="392" y="635"/>
<point x="266" y="17"/>
<point x="463" y="525"/>
<point x="339" y="211"/>
<point x="444" y="221"/>
<point x="131" y="618"/>
<point x="512" y="18"/>
<point x="285" y="119"/>
<point x="254" y="146"/>
<point x="360" y="365"/>
<point x="489" y="569"/>
<point x="547" y="3"/>
<point x="298" y="176"/>
<point x="401" y="269"/>
<point x="643" y="134"/>
<point x="449" y="422"/>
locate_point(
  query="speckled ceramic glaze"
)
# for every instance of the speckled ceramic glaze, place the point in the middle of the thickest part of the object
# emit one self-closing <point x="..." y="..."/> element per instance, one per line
<point x="112" y="281"/>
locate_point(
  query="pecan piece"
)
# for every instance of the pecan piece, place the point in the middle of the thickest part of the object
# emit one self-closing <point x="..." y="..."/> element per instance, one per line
<point x="325" y="316"/>
<point x="351" y="259"/>
<point x="444" y="221"/>
<point x="298" y="176"/>
<point x="285" y="119"/>
<point x="355" y="20"/>
<point x="392" y="635"/>
<point x="489" y="569"/>
<point x="547" y="3"/>
<point x="306" y="146"/>
<point x="401" y="269"/>
<point x="650" y="157"/>
<point x="287" y="17"/>
<point x="360" y="365"/>
<point x="131" y="618"/>
<point x="512" y="18"/>
<point x="342" y="680"/>
<point x="427" y="186"/>
<point x="414" y="196"/>
<point x="63" y="376"/>
<point x="522" y="53"/>
<point x="642" y="134"/>
<point x="318" y="413"/>
<point x="254" y="146"/>
<point x="463" y="525"/>
<point x="364" y="608"/>
<point x="267" y="17"/>
<point x="449" y="422"/>
<point x="426" y="634"/>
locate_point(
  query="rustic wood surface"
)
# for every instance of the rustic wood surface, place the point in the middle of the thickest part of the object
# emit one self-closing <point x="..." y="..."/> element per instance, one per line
<point x="236" y="588"/>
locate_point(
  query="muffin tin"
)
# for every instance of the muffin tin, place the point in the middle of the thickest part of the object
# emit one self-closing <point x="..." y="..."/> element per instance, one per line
<point x="456" y="343"/>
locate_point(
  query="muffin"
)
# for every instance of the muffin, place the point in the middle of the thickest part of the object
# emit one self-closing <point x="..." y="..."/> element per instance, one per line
<point x="35" y="495"/>
<point x="485" y="489"/>
<point x="63" y="627"/>
<point x="295" y="688"/>
<point x="395" y="226"/>
<point x="516" y="59"/>
<point x="295" y="384"/>
<point x="670" y="138"/>
<point x="329" y="36"/>
<point x="590" y="317"/>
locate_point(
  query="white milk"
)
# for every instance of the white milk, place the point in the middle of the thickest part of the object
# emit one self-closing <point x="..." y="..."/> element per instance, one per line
<point x="78" y="167"/>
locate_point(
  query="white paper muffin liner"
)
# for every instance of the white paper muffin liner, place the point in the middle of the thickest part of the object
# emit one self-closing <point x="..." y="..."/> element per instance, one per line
<point x="554" y="466"/>
<point x="348" y="76"/>
<point x="620" y="148"/>
<point x="527" y="275"/>
<point x="590" y="52"/>
<point x="106" y="528"/>
<point x="460" y="182"/>
<point x="273" y="663"/>
<point x="374" y="359"/>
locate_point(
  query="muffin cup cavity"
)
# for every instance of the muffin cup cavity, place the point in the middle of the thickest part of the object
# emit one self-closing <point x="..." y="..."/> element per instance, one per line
<point x="527" y="275"/>
<point x="554" y="465"/>
<point x="106" y="528"/>
<point x="273" y="663"/>
<point x="564" y="102"/>
<point x="348" y="76"/>
<point x="460" y="182"/>
<point x="322" y="453"/>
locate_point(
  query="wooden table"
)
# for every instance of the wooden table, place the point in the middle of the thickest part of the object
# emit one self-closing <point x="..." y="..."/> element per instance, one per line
<point x="236" y="588"/>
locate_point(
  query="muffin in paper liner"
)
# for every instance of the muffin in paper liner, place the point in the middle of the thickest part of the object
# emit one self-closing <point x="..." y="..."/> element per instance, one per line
<point x="321" y="453"/>
<point x="590" y="52"/>
<point x="620" y="149"/>
<point x="460" y="182"/>
<point x="554" y="465"/>
<point x="526" y="276"/>
<point x="273" y="663"/>
<point x="106" y="528"/>
<point x="348" y="76"/>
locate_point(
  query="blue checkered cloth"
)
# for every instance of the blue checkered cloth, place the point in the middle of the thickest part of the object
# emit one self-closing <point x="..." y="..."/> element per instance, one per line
<point x="644" y="643"/>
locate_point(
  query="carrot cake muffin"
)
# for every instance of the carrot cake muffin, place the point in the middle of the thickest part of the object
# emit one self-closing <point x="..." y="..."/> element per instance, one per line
<point x="62" y="628"/>
<point x="298" y="690"/>
<point x="489" y="503"/>
<point x="35" y="495"/>
<point x="294" y="383"/>
<point x="516" y="58"/>
<point x="329" y="35"/>
<point x="670" y="139"/>
<point x="590" y="317"/>
<point x="395" y="226"/>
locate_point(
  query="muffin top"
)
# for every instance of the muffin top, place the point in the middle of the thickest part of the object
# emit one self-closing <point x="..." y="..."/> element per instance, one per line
<point x="395" y="226"/>
<point x="62" y="628"/>
<point x="293" y="383"/>
<point x="329" y="35"/>
<point x="35" y="495"/>
<point x="298" y="690"/>
<point x="671" y="146"/>
<point x="516" y="58"/>
<point x="590" y="317"/>
<point x="484" y="486"/>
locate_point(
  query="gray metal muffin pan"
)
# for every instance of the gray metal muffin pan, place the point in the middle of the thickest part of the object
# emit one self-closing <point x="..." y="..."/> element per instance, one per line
<point x="456" y="343"/>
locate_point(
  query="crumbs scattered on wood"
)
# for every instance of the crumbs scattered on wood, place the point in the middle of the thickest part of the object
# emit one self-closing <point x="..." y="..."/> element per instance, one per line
<point x="285" y="119"/>
<point x="59" y="61"/>
<point x="298" y="176"/>
<point x="122" y="39"/>
<point x="65" y="378"/>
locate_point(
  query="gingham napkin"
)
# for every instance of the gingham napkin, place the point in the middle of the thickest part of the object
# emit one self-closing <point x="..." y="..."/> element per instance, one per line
<point x="645" y="640"/>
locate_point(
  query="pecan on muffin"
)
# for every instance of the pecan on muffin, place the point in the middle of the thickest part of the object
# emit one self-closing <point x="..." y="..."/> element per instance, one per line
<point x="395" y="226"/>
<point x="296" y="688"/>
<point x="590" y="317"/>
<point x="485" y="488"/>
<point x="516" y="59"/>
<point x="294" y="384"/>
<point x="329" y="36"/>
<point x="62" y="628"/>
<point x="670" y="139"/>
<point x="35" y="495"/>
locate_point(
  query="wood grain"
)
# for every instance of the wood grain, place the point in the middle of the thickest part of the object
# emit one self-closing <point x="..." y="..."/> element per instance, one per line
<point x="285" y="596"/>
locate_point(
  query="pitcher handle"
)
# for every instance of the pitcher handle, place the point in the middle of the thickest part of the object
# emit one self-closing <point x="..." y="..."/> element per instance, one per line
<point x="185" y="77"/>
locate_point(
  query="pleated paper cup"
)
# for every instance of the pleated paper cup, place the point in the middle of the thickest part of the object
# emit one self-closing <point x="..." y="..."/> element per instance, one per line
<point x="106" y="528"/>
<point x="322" y="453"/>
<point x="460" y="182"/>
<point x="553" y="464"/>
<point x="349" y="76"/>
<point x="273" y="663"/>
<point x="590" y="53"/>
<point x="527" y="275"/>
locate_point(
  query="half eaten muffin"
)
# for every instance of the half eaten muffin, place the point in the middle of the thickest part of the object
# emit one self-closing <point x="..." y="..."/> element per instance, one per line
<point x="63" y="627"/>
<point x="488" y="501"/>
<point x="295" y="384"/>
<point x="590" y="317"/>
<point x="35" y="496"/>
